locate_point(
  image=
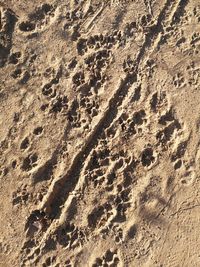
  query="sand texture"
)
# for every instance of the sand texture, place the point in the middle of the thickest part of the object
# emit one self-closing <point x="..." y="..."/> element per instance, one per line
<point x="100" y="133"/>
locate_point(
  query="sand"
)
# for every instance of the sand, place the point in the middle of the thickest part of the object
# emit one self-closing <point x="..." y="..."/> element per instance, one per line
<point x="99" y="136"/>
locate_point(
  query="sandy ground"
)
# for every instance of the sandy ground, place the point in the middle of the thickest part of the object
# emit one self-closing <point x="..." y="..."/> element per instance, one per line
<point x="99" y="136"/>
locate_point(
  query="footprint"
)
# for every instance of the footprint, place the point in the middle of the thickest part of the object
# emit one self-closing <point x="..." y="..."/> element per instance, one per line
<point x="179" y="80"/>
<point x="178" y="164"/>
<point x="189" y="177"/>
<point x="157" y="100"/>
<point x="36" y="222"/>
<point x="25" y="143"/>
<point x="59" y="104"/>
<point x="148" y="157"/>
<point x="109" y="259"/>
<point x="41" y="12"/>
<point x="14" y="164"/>
<point x="167" y="133"/>
<point x="179" y="151"/>
<point x="132" y="231"/>
<point x="38" y="130"/>
<point x="129" y="65"/>
<point x="37" y="18"/>
<point x="68" y="263"/>
<point x="21" y="196"/>
<point x="70" y="236"/>
<point x="21" y="76"/>
<point x="27" y="26"/>
<point x="50" y="262"/>
<point x="30" y="162"/>
<point x="14" y="58"/>
<point x="17" y="73"/>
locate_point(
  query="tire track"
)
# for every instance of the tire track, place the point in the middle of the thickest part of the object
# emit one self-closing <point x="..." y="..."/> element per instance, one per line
<point x="65" y="184"/>
<point x="52" y="202"/>
<point x="59" y="191"/>
<point x="165" y="18"/>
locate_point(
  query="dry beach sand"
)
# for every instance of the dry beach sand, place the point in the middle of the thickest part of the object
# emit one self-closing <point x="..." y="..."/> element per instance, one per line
<point x="99" y="136"/>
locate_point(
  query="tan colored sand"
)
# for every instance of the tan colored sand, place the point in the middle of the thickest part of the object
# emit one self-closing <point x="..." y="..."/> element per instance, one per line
<point x="99" y="136"/>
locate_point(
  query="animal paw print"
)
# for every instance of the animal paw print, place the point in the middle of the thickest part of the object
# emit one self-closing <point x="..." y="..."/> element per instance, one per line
<point x="193" y="73"/>
<point x="72" y="64"/>
<point x="51" y="262"/>
<point x="150" y="65"/>
<point x="68" y="263"/>
<point x="37" y="221"/>
<point x="29" y="162"/>
<point x="176" y="157"/>
<point x="195" y="38"/>
<point x="188" y="177"/>
<point x="49" y="90"/>
<point x="172" y="125"/>
<point x="90" y="106"/>
<point x="14" y="58"/>
<point x="130" y="29"/>
<point x="110" y="259"/>
<point x="195" y="42"/>
<point x="73" y="115"/>
<point x="131" y="126"/>
<point x="81" y="46"/>
<point x="139" y="119"/>
<point x="21" y="196"/>
<point x="70" y="236"/>
<point x="38" y="131"/>
<point x="144" y="21"/>
<point x="196" y="13"/>
<point x="49" y="73"/>
<point x="95" y="216"/>
<point x="78" y="78"/>
<point x="157" y="100"/>
<point x="118" y="234"/>
<point x="178" y="80"/>
<point x="38" y="196"/>
<point x="59" y="104"/>
<point x="17" y="73"/>
<point x="37" y="18"/>
<point x="148" y="157"/>
<point x="129" y="66"/>
<point x="99" y="159"/>
<point x="4" y="247"/>
<point x="98" y="61"/>
<point x="137" y="94"/>
<point x="96" y="176"/>
<point x="27" y="26"/>
<point x="21" y="76"/>
<point x="121" y="201"/>
<point x="96" y="42"/>
<point x="71" y="16"/>
<point x="25" y="143"/>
